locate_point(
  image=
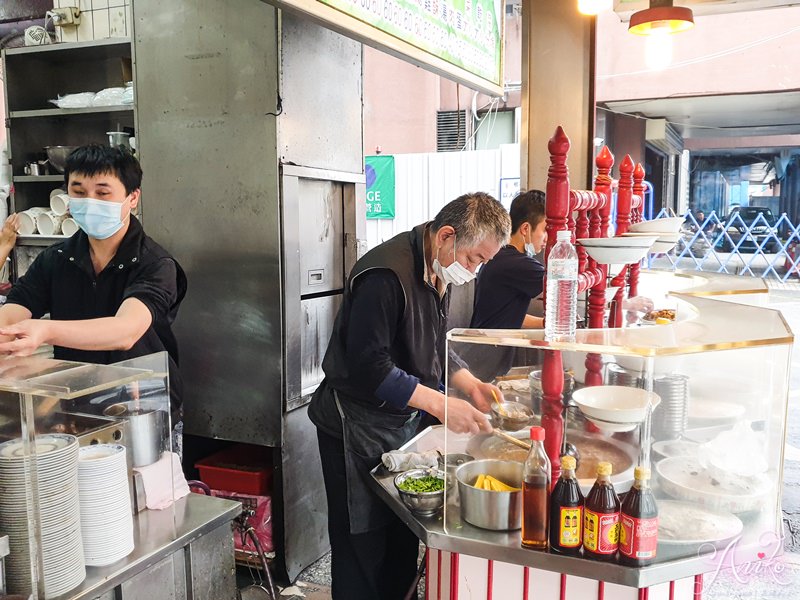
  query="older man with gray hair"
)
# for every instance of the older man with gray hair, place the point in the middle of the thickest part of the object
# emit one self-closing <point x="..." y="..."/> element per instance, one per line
<point x="384" y="365"/>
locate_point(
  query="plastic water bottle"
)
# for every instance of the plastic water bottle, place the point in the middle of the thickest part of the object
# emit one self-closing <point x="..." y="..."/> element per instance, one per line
<point x="562" y="289"/>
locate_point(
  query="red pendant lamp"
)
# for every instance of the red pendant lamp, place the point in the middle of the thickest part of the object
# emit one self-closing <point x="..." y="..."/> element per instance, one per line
<point x="661" y="17"/>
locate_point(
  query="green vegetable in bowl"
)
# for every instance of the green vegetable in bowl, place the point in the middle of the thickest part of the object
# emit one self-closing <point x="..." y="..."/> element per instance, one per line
<point x="428" y="483"/>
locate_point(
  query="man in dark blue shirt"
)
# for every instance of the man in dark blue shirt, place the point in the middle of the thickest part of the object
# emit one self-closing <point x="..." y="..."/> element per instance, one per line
<point x="507" y="284"/>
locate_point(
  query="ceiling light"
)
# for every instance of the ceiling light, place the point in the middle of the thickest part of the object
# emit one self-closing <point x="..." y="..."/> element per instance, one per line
<point x="594" y="7"/>
<point x="662" y="16"/>
<point x="658" y="51"/>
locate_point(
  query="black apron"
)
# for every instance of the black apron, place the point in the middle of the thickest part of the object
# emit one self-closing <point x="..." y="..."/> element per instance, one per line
<point x="367" y="434"/>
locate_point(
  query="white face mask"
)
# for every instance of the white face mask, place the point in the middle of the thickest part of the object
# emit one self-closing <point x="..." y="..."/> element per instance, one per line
<point x="456" y="273"/>
<point x="530" y="249"/>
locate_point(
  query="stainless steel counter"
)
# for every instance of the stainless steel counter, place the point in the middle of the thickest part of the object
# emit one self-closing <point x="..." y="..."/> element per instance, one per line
<point x="157" y="536"/>
<point x="447" y="531"/>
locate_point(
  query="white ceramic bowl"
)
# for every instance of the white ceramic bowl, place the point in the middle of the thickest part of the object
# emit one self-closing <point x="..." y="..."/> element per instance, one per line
<point x="663" y="225"/>
<point x="610" y="427"/>
<point x="664" y="243"/>
<point x="618" y="250"/>
<point x="615" y="404"/>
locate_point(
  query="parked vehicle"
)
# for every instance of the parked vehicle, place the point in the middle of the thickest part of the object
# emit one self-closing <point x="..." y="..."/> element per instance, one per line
<point x="748" y="228"/>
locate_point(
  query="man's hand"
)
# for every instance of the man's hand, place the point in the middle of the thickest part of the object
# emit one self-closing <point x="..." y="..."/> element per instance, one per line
<point x="479" y="393"/>
<point x="8" y="234"/>
<point x="27" y="335"/>
<point x="462" y="417"/>
<point x="483" y="394"/>
<point x="638" y="304"/>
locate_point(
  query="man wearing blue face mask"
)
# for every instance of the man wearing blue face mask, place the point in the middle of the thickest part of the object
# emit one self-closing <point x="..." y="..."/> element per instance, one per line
<point x="112" y="293"/>
<point x="383" y="365"/>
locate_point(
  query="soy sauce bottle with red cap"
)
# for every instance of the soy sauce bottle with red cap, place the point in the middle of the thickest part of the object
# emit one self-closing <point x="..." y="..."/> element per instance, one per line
<point x="536" y="493"/>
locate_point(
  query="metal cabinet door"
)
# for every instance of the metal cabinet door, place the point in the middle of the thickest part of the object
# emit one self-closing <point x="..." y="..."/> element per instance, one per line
<point x="321" y="235"/>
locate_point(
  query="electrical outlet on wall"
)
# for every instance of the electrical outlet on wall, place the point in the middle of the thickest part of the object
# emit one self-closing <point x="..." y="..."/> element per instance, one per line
<point x="65" y="16"/>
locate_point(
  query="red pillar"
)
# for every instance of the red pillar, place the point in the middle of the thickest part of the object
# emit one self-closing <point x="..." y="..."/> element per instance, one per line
<point x="557" y="212"/>
<point x="638" y="190"/>
<point x="624" y="193"/>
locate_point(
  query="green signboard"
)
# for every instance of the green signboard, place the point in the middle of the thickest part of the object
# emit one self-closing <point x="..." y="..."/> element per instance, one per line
<point x="379" y="172"/>
<point x="458" y="39"/>
<point x="465" y="33"/>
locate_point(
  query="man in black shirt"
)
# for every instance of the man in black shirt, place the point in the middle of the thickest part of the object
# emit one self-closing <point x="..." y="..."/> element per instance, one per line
<point x="384" y="365"/>
<point x="514" y="277"/>
<point x="112" y="293"/>
<point x="507" y="284"/>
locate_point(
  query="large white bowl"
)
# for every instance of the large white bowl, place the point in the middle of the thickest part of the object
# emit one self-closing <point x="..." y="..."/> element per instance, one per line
<point x="615" y="404"/>
<point x="663" y="225"/>
<point x="618" y="250"/>
<point x="664" y="243"/>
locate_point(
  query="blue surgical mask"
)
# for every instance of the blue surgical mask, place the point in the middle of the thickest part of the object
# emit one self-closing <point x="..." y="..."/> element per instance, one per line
<point x="99" y="219"/>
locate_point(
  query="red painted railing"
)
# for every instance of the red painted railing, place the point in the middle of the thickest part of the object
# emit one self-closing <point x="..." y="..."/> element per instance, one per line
<point x="587" y="215"/>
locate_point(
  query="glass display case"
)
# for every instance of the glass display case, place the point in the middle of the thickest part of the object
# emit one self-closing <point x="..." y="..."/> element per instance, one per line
<point x="80" y="444"/>
<point x="711" y="431"/>
<point x="714" y="376"/>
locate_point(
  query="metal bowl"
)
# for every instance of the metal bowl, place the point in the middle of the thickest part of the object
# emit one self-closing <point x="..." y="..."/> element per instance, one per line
<point x="57" y="155"/>
<point x="423" y="504"/>
<point x="516" y="416"/>
<point x="452" y="462"/>
<point x="500" y="511"/>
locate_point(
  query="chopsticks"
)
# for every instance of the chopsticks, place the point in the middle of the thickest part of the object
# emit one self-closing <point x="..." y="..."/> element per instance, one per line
<point x="511" y="439"/>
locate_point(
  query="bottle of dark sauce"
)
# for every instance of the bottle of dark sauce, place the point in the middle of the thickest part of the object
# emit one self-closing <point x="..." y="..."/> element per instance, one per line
<point x="638" y="536"/>
<point x="566" y="511"/>
<point x="601" y="518"/>
<point x="535" y="493"/>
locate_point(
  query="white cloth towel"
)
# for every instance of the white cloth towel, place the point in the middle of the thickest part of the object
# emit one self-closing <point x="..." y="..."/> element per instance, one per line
<point x="403" y="461"/>
<point x="163" y="482"/>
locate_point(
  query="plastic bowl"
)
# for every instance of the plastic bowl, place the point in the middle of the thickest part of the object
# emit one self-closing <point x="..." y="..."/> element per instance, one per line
<point x="663" y="225"/>
<point x="618" y="250"/>
<point x="615" y="404"/>
<point x="57" y="155"/>
<point x="513" y="417"/>
<point x="423" y="504"/>
<point x="499" y="511"/>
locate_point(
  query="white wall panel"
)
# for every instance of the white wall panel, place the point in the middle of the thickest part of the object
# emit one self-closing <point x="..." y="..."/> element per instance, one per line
<point x="424" y="183"/>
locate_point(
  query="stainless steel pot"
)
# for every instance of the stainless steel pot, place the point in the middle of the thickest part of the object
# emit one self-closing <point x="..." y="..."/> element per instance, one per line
<point x="147" y="431"/>
<point x="500" y="511"/>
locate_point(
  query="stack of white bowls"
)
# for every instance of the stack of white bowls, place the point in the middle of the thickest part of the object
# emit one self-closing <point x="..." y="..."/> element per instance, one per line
<point x="666" y="228"/>
<point x="106" y="520"/>
<point x="59" y="513"/>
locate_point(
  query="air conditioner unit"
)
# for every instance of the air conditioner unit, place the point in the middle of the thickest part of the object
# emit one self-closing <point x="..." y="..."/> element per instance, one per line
<point x="663" y="136"/>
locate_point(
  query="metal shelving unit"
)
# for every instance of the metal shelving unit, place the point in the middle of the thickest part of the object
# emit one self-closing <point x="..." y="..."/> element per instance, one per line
<point x="66" y="112"/>
<point x="35" y="75"/>
<point x="37" y="178"/>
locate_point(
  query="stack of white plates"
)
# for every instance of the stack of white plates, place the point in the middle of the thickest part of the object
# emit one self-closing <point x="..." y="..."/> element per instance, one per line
<point x="59" y="513"/>
<point x="106" y="521"/>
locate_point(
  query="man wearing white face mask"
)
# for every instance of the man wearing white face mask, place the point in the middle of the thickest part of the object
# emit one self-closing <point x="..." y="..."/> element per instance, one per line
<point x="384" y="364"/>
<point x="112" y="293"/>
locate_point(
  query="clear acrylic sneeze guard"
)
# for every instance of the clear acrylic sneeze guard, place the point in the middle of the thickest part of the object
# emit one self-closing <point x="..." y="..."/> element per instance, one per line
<point x="714" y="441"/>
<point x="71" y="435"/>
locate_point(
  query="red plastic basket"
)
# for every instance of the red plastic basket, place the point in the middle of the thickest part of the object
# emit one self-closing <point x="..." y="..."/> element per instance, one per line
<point x="242" y="468"/>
